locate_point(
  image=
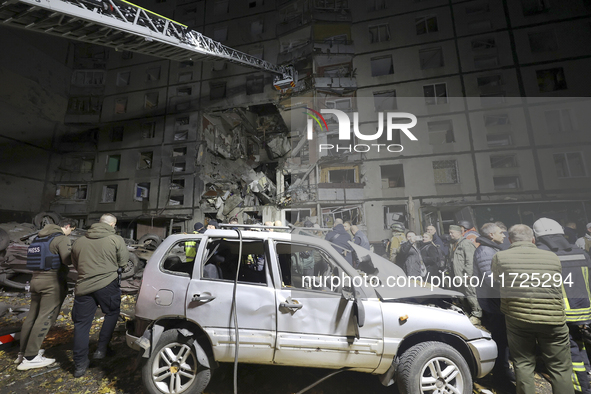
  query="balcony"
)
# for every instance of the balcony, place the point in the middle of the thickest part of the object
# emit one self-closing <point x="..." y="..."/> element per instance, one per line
<point x="336" y="47"/>
<point x="341" y="192"/>
<point x="335" y="83"/>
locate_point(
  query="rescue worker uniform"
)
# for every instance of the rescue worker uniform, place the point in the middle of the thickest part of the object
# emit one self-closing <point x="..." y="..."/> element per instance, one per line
<point x="191" y="246"/>
<point x="577" y="301"/>
<point x="48" y="257"/>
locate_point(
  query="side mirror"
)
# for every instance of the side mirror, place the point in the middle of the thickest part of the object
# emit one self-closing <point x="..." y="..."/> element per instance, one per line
<point x="359" y="312"/>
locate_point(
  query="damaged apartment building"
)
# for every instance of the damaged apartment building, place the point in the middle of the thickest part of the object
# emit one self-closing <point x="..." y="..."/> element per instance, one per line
<point x="163" y="144"/>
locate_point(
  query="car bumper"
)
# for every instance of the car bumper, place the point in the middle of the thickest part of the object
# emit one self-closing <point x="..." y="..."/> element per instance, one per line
<point x="485" y="355"/>
<point x="132" y="341"/>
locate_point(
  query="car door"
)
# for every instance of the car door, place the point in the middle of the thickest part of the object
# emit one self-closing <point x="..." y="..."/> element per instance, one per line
<point x="209" y="299"/>
<point x="316" y="325"/>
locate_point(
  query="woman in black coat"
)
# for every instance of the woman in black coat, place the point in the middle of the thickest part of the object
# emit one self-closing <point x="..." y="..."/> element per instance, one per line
<point x="430" y="255"/>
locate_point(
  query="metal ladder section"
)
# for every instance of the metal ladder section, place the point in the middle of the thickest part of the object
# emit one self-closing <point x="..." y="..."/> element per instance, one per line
<point x="128" y="27"/>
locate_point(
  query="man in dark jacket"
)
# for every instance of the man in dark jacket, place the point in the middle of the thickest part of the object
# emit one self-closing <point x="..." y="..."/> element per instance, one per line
<point x="96" y="257"/>
<point x="575" y="271"/>
<point x="534" y="314"/>
<point x="360" y="238"/>
<point x="489" y="296"/>
<point x="48" y="290"/>
<point x="339" y="236"/>
<point x="437" y="240"/>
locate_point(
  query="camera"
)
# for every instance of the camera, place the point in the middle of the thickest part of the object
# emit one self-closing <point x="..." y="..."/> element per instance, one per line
<point x="417" y="238"/>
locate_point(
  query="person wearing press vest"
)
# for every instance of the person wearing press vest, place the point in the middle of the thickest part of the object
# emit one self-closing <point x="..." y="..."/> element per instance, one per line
<point x="97" y="257"/>
<point x="48" y="257"/>
<point x="577" y="297"/>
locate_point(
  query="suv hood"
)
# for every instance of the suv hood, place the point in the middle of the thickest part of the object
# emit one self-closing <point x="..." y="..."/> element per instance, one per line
<point x="388" y="273"/>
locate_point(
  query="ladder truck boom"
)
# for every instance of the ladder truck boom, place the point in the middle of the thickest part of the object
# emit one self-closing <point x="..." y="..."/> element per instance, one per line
<point x="127" y="27"/>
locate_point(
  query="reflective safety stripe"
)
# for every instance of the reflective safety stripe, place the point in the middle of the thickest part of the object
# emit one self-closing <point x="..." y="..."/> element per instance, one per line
<point x="572" y="257"/>
<point x="190" y="250"/>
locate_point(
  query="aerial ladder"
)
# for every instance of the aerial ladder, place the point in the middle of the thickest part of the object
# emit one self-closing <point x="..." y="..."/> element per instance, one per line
<point x="127" y="27"/>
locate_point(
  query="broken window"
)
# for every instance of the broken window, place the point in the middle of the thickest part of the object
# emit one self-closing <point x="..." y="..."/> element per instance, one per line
<point x="348" y="213"/>
<point x="88" y="78"/>
<point x="109" y="193"/>
<point x="186" y="64"/>
<point x="342" y="104"/>
<point x="495" y="140"/>
<point x="181" y="135"/>
<point x="255" y="84"/>
<point x="219" y="65"/>
<point x="142" y="191"/>
<point x="176" y="200"/>
<point x="392" y="176"/>
<point x="342" y="176"/>
<point x="177" y="183"/>
<point x="445" y="171"/>
<point x="84" y="105"/>
<point x="385" y="101"/>
<point x="431" y="58"/>
<point x="381" y="66"/>
<point x="151" y="100"/>
<point x="220" y="33"/>
<point x="72" y="192"/>
<point x="179" y="151"/>
<point x="116" y="134"/>
<point x="148" y="130"/>
<point x="395" y="214"/>
<point x="559" y="121"/>
<point x="543" y="41"/>
<point x="221" y="7"/>
<point x="489" y="81"/>
<point x="217" y="90"/>
<point x="153" y="74"/>
<point x="145" y="161"/>
<point x="86" y="166"/>
<point x="376" y="5"/>
<point x="179" y="122"/>
<point x="427" y="24"/>
<point x="121" y="105"/>
<point x="441" y="132"/>
<point x="179" y="167"/>
<point x="477" y="8"/>
<point x="123" y="78"/>
<point x="255" y="3"/>
<point x="185" y="77"/>
<point x="256" y="28"/>
<point x="113" y="163"/>
<point x="534" y="7"/>
<point x="551" y="79"/>
<point x="435" y="94"/>
<point x="379" y="33"/>
<point x="486" y="61"/>
<point x="496" y="120"/>
<point x="570" y="165"/>
<point x="294" y="216"/>
<point x="126" y="55"/>
<point x="184" y="91"/>
<point x="483" y="44"/>
<point x="506" y="182"/>
<point x="505" y="161"/>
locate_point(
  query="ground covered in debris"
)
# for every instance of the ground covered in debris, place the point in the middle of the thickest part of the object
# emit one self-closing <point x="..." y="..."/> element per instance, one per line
<point x="118" y="374"/>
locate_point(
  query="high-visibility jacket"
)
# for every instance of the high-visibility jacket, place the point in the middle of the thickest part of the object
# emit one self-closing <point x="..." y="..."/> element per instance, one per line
<point x="191" y="249"/>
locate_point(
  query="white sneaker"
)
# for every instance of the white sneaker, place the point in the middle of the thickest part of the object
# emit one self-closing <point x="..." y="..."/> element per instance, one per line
<point x="38" y="362"/>
<point x="21" y="355"/>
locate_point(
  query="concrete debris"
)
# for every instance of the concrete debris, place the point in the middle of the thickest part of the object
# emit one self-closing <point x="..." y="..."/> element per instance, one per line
<point x="278" y="147"/>
<point x="231" y="203"/>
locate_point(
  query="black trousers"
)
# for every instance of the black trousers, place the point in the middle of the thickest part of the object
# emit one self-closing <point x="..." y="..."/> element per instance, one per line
<point x="495" y="323"/>
<point x="109" y="299"/>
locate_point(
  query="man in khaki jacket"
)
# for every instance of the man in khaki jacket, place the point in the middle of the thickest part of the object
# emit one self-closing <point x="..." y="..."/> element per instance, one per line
<point x="531" y="299"/>
<point x="97" y="257"/>
<point x="48" y="257"/>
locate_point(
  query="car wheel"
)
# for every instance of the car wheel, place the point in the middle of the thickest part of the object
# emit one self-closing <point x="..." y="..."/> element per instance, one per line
<point x="150" y="241"/>
<point x="4" y="240"/>
<point x="433" y="367"/>
<point x="132" y="266"/>
<point x="173" y="366"/>
<point x="44" y="218"/>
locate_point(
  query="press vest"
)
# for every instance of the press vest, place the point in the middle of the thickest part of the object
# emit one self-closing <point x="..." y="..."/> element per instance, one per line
<point x="39" y="257"/>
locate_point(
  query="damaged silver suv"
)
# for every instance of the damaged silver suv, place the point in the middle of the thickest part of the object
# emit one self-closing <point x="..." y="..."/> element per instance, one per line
<point x="297" y="302"/>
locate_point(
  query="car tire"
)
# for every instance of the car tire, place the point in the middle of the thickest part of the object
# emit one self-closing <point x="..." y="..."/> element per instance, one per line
<point x="4" y="239"/>
<point x="419" y="363"/>
<point x="131" y="268"/>
<point x="163" y="371"/>
<point x="150" y="241"/>
<point x="44" y="218"/>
